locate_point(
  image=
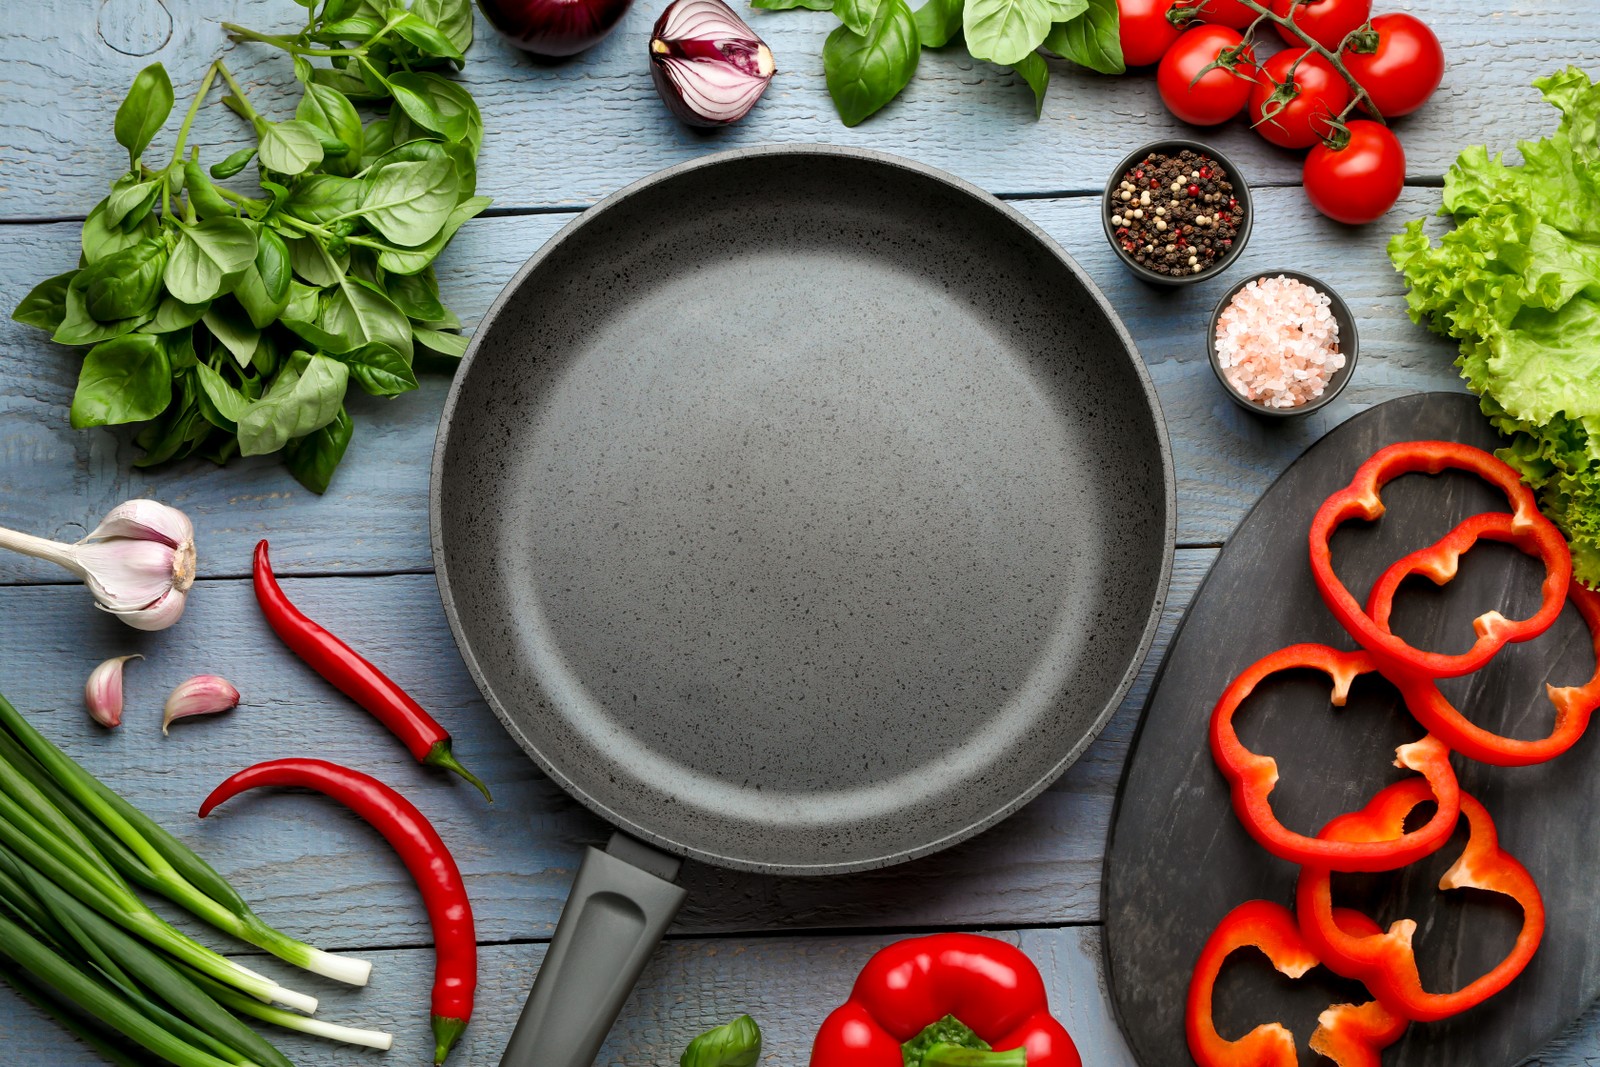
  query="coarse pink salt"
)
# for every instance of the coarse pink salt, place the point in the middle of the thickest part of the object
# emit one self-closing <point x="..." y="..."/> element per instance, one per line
<point x="1278" y="342"/>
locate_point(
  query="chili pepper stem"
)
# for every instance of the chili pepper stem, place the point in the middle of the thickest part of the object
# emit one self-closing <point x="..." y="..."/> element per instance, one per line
<point x="446" y="1032"/>
<point x="441" y="756"/>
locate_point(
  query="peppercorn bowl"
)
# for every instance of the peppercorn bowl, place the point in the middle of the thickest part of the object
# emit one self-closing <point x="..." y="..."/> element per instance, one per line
<point x="1166" y="203"/>
<point x="1349" y="345"/>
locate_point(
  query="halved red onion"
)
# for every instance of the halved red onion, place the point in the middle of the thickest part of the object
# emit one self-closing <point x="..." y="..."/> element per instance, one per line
<point x="709" y="67"/>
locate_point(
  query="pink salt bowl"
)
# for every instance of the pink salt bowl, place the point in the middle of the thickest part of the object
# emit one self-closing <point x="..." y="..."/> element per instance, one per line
<point x="1349" y="347"/>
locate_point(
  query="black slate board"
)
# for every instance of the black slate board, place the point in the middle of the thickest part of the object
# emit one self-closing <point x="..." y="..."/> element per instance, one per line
<point x="1178" y="860"/>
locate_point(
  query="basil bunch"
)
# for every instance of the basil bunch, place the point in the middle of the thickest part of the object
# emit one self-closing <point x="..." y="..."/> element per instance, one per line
<point x="234" y="324"/>
<point x="873" y="55"/>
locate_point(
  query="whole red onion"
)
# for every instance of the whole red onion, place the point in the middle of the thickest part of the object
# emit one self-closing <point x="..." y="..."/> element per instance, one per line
<point x="553" y="27"/>
<point x="709" y="67"/>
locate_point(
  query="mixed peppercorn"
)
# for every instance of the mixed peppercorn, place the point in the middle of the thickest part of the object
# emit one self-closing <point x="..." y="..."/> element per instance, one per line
<point x="1175" y="215"/>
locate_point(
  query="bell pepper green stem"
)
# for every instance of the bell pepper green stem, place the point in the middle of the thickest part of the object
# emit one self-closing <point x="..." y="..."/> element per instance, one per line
<point x="942" y="1055"/>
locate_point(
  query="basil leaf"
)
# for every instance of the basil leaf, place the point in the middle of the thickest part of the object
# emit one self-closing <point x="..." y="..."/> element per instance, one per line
<point x="297" y="404"/>
<point x="411" y="260"/>
<point x="144" y="110"/>
<point x="173" y="315"/>
<point x="414" y="102"/>
<point x="1003" y="31"/>
<point x="126" y="284"/>
<point x="459" y="112"/>
<point x="234" y="163"/>
<point x="416" y="294"/>
<point x="447" y="321"/>
<point x="452" y="17"/>
<point x="408" y="203"/>
<point x="322" y="198"/>
<point x="208" y="258"/>
<point x="78" y="327"/>
<point x="263" y="289"/>
<point x="428" y="39"/>
<point x="128" y="196"/>
<point x="356" y="27"/>
<point x="126" y="379"/>
<point x="309" y="261"/>
<point x="1065" y="10"/>
<point x="180" y="349"/>
<point x="313" y="458"/>
<point x="330" y="110"/>
<point x="787" y="5"/>
<point x="857" y="14"/>
<point x="208" y="203"/>
<point x="380" y="370"/>
<point x="1036" y="73"/>
<point x="289" y="147"/>
<point x="938" y="21"/>
<point x="376" y="139"/>
<point x="1092" y="40"/>
<point x="356" y="313"/>
<point x="446" y="344"/>
<point x="228" y="324"/>
<point x="46" y="305"/>
<point x="735" y="1044"/>
<point x="866" y="72"/>
<point x="301" y="316"/>
<point x="166" y="438"/>
<point x="228" y="404"/>
<point x="102" y="238"/>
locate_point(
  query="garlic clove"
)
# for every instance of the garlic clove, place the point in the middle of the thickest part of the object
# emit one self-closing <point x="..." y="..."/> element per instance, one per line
<point x="707" y="63"/>
<point x="102" y="693"/>
<point x="125" y="574"/>
<point x="204" y="694"/>
<point x="158" y="616"/>
<point x="145" y="520"/>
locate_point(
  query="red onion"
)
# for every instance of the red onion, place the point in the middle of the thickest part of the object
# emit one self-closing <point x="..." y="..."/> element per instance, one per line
<point x="708" y="66"/>
<point x="553" y="27"/>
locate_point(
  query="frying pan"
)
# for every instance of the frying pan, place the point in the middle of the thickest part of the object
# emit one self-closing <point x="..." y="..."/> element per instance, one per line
<point x="801" y="510"/>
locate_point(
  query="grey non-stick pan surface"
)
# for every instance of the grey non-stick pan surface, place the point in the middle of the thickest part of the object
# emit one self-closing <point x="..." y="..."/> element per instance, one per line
<point x="800" y="510"/>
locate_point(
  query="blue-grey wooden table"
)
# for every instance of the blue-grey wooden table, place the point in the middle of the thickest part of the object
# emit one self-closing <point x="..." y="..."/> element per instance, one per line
<point x="558" y="139"/>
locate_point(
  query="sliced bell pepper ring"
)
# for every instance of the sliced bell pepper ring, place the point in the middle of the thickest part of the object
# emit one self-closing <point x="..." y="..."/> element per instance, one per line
<point x="988" y="985"/>
<point x="1351" y="1035"/>
<point x="1528" y="530"/>
<point x="1252" y="776"/>
<point x="1574" y="705"/>
<point x="1386" y="961"/>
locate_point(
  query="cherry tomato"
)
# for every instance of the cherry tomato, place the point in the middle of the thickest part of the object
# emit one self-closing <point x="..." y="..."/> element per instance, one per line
<point x="1229" y="13"/>
<point x="1362" y="180"/>
<point x="1218" y="96"/>
<point x="1406" y="68"/>
<point x="1320" y="93"/>
<point x="1146" y="34"/>
<point x="1327" y="22"/>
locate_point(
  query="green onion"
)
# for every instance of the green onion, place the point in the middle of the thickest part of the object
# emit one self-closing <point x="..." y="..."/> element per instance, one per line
<point x="99" y="937"/>
<point x="106" y="1005"/>
<point x="46" y="1001"/>
<point x="289" y="1020"/>
<point x="174" y="870"/>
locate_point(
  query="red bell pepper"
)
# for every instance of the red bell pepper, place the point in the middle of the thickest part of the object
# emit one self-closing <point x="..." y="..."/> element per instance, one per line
<point x="911" y="986"/>
<point x="1351" y="1035"/>
<point x="1386" y="961"/>
<point x="1528" y="530"/>
<point x="1252" y="775"/>
<point x="1574" y="705"/>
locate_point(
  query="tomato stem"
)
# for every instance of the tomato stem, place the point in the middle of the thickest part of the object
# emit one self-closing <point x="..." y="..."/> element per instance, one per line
<point x="1358" y="92"/>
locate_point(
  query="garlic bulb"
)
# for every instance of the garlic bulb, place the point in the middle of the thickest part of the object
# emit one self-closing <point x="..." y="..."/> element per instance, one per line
<point x="139" y="562"/>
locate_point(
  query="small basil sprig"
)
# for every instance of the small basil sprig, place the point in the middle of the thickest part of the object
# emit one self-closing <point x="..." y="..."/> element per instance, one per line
<point x="233" y="323"/>
<point x="735" y="1044"/>
<point x="872" y="56"/>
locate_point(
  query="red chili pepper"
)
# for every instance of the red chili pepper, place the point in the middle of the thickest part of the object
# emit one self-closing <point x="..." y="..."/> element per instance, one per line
<point x="986" y="984"/>
<point x="1351" y="1035"/>
<point x="455" y="973"/>
<point x="355" y="677"/>
<point x="1529" y="531"/>
<point x="1252" y="775"/>
<point x="1574" y="705"/>
<point x="1386" y="961"/>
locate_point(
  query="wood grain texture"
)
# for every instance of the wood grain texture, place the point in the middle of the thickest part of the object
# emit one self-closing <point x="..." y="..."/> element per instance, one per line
<point x="570" y="133"/>
<point x="788" y="985"/>
<point x="1178" y="859"/>
<point x="57" y="482"/>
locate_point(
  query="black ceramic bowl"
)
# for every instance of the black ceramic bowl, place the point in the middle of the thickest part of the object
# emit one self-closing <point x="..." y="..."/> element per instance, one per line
<point x="1349" y="345"/>
<point x="1170" y="147"/>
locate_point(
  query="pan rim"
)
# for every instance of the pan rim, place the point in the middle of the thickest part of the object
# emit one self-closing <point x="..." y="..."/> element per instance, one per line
<point x="1006" y="213"/>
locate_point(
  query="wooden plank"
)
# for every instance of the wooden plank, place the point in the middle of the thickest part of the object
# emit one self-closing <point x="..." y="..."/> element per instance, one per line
<point x="57" y="482"/>
<point x="310" y="866"/>
<point x="570" y="133"/>
<point x="788" y="984"/>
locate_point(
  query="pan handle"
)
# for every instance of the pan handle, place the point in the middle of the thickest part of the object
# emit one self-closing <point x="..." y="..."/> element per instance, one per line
<point x="621" y="904"/>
